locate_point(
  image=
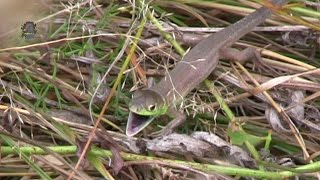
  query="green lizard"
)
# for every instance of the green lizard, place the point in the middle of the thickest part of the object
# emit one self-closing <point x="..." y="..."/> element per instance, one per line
<point x="196" y="66"/>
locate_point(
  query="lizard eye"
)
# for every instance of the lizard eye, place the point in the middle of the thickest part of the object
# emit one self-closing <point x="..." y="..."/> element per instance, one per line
<point x="152" y="107"/>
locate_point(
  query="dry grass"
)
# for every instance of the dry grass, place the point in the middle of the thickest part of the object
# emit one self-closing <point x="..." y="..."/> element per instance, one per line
<point x="55" y="85"/>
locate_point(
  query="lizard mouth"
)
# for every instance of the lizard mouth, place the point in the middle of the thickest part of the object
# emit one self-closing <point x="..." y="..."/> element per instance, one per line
<point x="136" y="123"/>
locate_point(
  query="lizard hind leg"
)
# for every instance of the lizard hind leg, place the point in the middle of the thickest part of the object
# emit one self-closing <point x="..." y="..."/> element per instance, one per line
<point x="248" y="54"/>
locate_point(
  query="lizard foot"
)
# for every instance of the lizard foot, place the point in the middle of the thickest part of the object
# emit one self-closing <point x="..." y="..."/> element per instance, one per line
<point x="161" y="133"/>
<point x="169" y="128"/>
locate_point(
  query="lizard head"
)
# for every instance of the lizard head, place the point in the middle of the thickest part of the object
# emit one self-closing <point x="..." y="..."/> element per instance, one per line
<point x="144" y="107"/>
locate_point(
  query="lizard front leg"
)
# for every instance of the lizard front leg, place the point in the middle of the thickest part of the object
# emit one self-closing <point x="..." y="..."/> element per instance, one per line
<point x="179" y="119"/>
